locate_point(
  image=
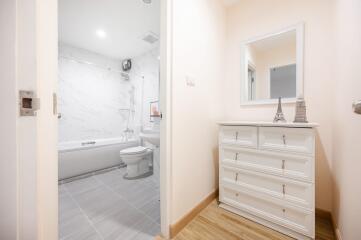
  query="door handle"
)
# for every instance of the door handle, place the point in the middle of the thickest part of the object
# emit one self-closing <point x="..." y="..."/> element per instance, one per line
<point x="357" y="107"/>
<point x="284" y="139"/>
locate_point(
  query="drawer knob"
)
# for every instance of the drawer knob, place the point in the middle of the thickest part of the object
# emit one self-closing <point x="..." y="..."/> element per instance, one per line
<point x="236" y="157"/>
<point x="284" y="139"/>
<point x="236" y="136"/>
<point x="283" y="210"/>
<point x="284" y="189"/>
<point x="237" y="194"/>
<point x="283" y="164"/>
<point x="236" y="177"/>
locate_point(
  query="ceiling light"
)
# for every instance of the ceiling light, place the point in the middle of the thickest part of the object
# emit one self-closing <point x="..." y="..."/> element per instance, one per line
<point x="100" y="33"/>
<point x="147" y="1"/>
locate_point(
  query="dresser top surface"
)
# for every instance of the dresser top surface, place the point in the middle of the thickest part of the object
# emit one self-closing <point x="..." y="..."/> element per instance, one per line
<point x="268" y="124"/>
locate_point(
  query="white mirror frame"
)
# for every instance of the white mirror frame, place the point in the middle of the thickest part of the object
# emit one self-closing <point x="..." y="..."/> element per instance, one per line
<point x="299" y="28"/>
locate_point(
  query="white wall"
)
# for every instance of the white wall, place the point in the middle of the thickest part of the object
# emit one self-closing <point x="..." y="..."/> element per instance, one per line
<point x="91" y="96"/>
<point x="250" y="18"/>
<point x="8" y="113"/>
<point x="347" y="125"/>
<point x="197" y="48"/>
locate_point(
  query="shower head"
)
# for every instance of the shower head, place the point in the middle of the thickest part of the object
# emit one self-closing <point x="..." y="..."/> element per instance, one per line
<point x="126" y="65"/>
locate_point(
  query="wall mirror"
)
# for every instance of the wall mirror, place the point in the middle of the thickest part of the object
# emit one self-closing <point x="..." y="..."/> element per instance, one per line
<point x="272" y="67"/>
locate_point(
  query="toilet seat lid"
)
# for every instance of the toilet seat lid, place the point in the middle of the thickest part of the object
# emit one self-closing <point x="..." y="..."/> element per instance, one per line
<point x="133" y="150"/>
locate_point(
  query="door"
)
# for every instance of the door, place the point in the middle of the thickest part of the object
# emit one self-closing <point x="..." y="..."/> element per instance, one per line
<point x="28" y="164"/>
<point x="8" y="156"/>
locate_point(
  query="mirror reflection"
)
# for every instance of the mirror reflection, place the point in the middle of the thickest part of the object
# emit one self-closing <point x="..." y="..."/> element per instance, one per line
<point x="271" y="67"/>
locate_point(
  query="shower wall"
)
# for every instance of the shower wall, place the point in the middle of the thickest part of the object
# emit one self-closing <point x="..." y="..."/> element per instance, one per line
<point x="147" y="65"/>
<point x="94" y="101"/>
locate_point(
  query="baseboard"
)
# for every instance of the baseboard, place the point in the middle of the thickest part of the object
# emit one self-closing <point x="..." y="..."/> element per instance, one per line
<point x="326" y="214"/>
<point x="178" y="226"/>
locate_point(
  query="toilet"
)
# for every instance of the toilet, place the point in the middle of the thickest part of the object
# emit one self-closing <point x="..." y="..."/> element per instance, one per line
<point x="138" y="160"/>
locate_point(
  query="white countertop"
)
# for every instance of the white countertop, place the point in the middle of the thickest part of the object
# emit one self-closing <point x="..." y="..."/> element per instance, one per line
<point x="268" y="124"/>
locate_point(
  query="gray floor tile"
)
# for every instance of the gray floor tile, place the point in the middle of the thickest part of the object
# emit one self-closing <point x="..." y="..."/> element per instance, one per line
<point x="76" y="224"/>
<point x="142" y="226"/>
<point x="115" y="224"/>
<point x="99" y="202"/>
<point x="152" y="209"/>
<point x="112" y="179"/>
<point x="109" y="207"/>
<point x="85" y="234"/>
<point x="147" y="234"/>
<point x="138" y="195"/>
<point x="62" y="191"/>
<point x="67" y="209"/>
<point x="82" y="185"/>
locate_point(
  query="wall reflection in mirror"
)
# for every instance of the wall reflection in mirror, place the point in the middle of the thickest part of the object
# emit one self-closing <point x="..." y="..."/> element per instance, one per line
<point x="269" y="67"/>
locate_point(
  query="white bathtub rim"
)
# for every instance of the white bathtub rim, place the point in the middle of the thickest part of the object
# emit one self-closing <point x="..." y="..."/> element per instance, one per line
<point x="71" y="146"/>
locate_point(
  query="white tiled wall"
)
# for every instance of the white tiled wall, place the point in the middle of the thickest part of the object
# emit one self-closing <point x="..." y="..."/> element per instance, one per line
<point x="147" y="65"/>
<point x="90" y="97"/>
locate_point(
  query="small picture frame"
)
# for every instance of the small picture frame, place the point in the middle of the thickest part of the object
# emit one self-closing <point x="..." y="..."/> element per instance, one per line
<point x="154" y="110"/>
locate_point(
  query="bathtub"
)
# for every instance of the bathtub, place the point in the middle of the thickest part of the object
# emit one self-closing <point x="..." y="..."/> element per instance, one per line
<point x="81" y="157"/>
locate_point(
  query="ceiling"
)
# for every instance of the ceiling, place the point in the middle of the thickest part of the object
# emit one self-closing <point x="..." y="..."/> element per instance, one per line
<point x="114" y="28"/>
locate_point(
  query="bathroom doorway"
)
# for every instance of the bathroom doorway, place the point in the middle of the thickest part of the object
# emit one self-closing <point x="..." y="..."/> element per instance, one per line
<point x="109" y="120"/>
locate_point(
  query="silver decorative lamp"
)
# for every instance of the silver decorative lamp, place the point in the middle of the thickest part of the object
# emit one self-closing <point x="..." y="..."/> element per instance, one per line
<point x="279" y="115"/>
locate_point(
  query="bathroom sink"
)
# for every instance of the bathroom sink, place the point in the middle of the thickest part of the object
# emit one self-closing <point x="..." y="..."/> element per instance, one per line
<point x="150" y="136"/>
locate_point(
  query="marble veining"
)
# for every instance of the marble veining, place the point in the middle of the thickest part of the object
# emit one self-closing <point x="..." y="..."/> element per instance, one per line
<point x="93" y="100"/>
<point x="147" y="65"/>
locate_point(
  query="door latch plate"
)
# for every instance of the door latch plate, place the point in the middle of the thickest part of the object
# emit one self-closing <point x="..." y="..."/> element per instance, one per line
<point x="28" y="103"/>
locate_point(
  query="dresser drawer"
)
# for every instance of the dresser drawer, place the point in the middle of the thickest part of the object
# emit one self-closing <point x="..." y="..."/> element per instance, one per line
<point x="239" y="135"/>
<point x="300" y="167"/>
<point x="295" y="192"/>
<point x="296" y="140"/>
<point x="298" y="219"/>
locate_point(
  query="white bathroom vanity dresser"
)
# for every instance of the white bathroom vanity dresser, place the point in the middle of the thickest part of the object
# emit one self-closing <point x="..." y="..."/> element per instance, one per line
<point x="267" y="174"/>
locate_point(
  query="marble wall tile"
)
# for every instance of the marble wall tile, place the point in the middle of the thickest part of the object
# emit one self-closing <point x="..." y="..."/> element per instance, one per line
<point x="147" y="65"/>
<point x="91" y="96"/>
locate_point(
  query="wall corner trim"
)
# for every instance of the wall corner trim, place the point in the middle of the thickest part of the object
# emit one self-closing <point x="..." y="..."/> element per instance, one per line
<point x="338" y="234"/>
<point x="328" y="215"/>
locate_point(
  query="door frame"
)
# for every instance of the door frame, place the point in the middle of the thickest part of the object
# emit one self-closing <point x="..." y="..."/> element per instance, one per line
<point x="166" y="111"/>
<point x="32" y="178"/>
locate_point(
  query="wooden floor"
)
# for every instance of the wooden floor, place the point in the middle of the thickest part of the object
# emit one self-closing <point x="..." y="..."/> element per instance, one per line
<point x="215" y="223"/>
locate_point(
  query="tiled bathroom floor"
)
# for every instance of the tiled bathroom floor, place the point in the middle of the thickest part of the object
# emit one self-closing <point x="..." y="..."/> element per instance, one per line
<point x="108" y="207"/>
